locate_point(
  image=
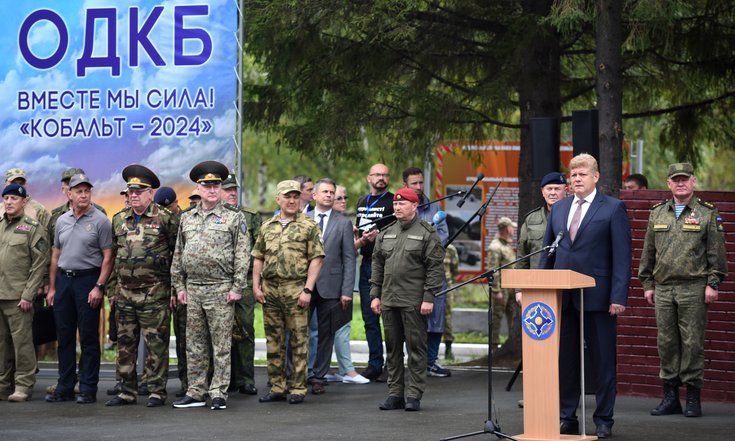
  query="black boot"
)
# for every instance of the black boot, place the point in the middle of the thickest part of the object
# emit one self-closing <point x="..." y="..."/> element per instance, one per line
<point x="448" y="355"/>
<point x="670" y="404"/>
<point x="694" y="405"/>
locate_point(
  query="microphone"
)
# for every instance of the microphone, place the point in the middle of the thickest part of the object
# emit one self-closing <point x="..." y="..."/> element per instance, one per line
<point x="479" y="178"/>
<point x="439" y="217"/>
<point x="555" y="245"/>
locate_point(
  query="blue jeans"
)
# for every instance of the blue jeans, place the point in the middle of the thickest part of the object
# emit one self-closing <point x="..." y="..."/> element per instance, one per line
<point x="372" y="321"/>
<point x="433" y="340"/>
<point x="71" y="310"/>
<point x="342" y="348"/>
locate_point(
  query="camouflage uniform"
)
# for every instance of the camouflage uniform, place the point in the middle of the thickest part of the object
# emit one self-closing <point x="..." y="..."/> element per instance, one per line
<point x="211" y="259"/>
<point x="286" y="253"/>
<point x="243" y="332"/>
<point x="143" y="261"/>
<point x="24" y="260"/>
<point x="407" y="270"/>
<point x="499" y="253"/>
<point x="680" y="257"/>
<point x="451" y="271"/>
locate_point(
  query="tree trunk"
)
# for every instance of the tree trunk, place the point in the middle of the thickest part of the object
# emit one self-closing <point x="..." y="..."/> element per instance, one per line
<point x="609" y="89"/>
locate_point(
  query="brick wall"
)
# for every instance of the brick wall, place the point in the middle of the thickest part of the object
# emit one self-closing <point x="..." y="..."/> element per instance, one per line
<point x="638" y="363"/>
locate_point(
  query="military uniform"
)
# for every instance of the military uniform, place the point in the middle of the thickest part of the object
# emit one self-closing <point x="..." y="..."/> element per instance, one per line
<point x="286" y="252"/>
<point x="451" y="271"/>
<point x="211" y="259"/>
<point x="243" y="332"/>
<point x="24" y="259"/>
<point x="500" y="252"/>
<point x="407" y="269"/>
<point x="143" y="260"/>
<point x="680" y="256"/>
<point x="531" y="237"/>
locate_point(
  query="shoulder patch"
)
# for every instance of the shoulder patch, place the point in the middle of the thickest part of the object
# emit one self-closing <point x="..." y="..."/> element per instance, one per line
<point x="706" y="204"/>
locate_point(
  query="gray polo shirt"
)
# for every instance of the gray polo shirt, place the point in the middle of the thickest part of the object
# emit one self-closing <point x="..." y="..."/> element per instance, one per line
<point x="82" y="240"/>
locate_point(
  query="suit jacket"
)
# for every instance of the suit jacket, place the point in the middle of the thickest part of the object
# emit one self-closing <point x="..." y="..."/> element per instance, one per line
<point x="602" y="250"/>
<point x="337" y="277"/>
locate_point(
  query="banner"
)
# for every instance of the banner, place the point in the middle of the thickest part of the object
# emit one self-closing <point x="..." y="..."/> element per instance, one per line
<point x="91" y="85"/>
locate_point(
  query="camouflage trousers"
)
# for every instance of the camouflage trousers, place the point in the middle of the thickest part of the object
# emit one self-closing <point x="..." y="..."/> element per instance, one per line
<point x="208" y="322"/>
<point x="179" y="318"/>
<point x="405" y="325"/>
<point x="280" y="312"/>
<point x="681" y="319"/>
<point x="243" y="341"/>
<point x="151" y="319"/>
<point x="508" y="308"/>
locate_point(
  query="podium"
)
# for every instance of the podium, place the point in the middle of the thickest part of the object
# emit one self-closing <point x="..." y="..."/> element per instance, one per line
<point x="541" y="324"/>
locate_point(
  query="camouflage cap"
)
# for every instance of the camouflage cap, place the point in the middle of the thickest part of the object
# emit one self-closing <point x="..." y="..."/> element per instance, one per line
<point x="681" y="169"/>
<point x="194" y="195"/>
<point x="230" y="182"/>
<point x="288" y="186"/>
<point x="14" y="173"/>
<point x="69" y="172"/>
<point x="79" y="179"/>
<point x="505" y="222"/>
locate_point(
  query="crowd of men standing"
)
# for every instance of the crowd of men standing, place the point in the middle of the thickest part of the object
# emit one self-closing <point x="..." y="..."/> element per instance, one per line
<point x="207" y="265"/>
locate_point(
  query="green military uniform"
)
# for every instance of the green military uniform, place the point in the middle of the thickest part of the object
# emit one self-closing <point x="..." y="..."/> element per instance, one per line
<point x="144" y="247"/>
<point x="179" y="327"/>
<point x="680" y="257"/>
<point x="243" y="333"/>
<point x="407" y="269"/>
<point x="500" y="252"/>
<point x="24" y="260"/>
<point x="531" y="237"/>
<point x="451" y="271"/>
<point x="211" y="259"/>
<point x="35" y="211"/>
<point x="286" y="252"/>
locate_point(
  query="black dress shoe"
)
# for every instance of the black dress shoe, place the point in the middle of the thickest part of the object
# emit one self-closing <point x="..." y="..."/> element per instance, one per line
<point x="57" y="398"/>
<point x="413" y="405"/>
<point x="272" y="396"/>
<point x="569" y="428"/>
<point x="119" y="401"/>
<point x="295" y="399"/>
<point x="248" y="389"/>
<point x="86" y="399"/>
<point x="603" y="431"/>
<point x="154" y="402"/>
<point x="393" y="403"/>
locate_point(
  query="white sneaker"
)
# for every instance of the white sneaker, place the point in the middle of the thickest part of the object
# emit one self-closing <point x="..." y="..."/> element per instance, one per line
<point x="333" y="378"/>
<point x="357" y="379"/>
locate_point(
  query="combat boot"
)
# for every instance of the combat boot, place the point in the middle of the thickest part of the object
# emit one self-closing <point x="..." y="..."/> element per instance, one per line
<point x="694" y="404"/>
<point x="670" y="405"/>
<point x="448" y="355"/>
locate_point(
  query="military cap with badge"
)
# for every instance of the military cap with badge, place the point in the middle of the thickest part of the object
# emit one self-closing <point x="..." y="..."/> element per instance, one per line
<point x="139" y="177"/>
<point x="209" y="172"/>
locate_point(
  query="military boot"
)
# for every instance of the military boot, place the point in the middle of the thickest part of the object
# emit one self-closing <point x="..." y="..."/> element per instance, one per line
<point x="694" y="405"/>
<point x="448" y="355"/>
<point x="670" y="404"/>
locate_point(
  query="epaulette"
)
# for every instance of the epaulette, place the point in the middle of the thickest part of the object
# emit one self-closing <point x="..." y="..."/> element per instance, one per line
<point x="706" y="204"/>
<point x="119" y="212"/>
<point x="660" y="204"/>
<point x="30" y="221"/>
<point x="427" y="225"/>
<point x="230" y="207"/>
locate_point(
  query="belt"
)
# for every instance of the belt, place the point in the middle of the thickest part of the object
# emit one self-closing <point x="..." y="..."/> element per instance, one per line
<point x="79" y="273"/>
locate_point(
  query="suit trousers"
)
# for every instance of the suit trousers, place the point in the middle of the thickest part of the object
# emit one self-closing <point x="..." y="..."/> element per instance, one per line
<point x="600" y="336"/>
<point x="405" y="325"/>
<point x="324" y="310"/>
<point x="72" y="311"/>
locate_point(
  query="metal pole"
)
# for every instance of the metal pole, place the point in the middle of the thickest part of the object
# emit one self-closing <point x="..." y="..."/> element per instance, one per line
<point x="239" y="169"/>
<point x="581" y="360"/>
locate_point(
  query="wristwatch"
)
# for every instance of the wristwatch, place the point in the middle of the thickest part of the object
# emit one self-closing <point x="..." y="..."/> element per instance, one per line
<point x="307" y="290"/>
<point x="100" y="286"/>
<point x="714" y="284"/>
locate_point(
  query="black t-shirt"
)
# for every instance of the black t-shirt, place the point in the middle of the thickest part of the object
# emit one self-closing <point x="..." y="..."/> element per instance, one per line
<point x="370" y="208"/>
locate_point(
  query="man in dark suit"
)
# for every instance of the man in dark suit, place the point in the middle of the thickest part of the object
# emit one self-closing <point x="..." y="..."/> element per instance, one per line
<point x="596" y="242"/>
<point x="332" y="297"/>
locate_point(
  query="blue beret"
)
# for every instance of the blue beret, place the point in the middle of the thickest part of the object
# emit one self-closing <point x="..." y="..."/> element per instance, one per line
<point x="553" y="178"/>
<point x="15" y="190"/>
<point x="165" y="196"/>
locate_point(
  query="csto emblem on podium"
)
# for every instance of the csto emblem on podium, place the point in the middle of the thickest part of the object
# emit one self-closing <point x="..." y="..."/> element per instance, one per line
<point x="538" y="321"/>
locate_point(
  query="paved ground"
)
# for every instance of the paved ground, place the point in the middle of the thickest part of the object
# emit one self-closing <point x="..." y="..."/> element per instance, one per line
<point x="346" y="412"/>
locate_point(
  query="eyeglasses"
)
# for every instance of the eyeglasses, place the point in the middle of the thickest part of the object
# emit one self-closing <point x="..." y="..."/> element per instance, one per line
<point x="380" y="175"/>
<point x="341" y="198"/>
<point x="138" y="192"/>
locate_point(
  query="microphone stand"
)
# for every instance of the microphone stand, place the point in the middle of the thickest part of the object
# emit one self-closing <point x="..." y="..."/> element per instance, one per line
<point x="425" y="204"/>
<point x="480" y="212"/>
<point x="492" y="427"/>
